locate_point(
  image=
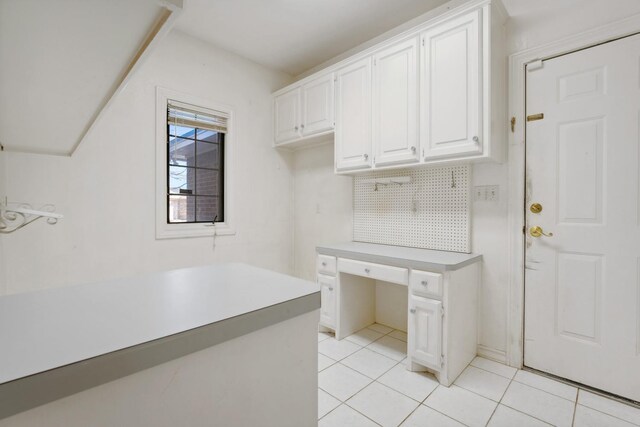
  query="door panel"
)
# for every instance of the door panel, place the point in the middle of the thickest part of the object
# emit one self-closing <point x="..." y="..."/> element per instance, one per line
<point x="451" y="88"/>
<point x="425" y="331"/>
<point x="395" y="108"/>
<point x="327" y="300"/>
<point x="317" y="105"/>
<point x="582" y="292"/>
<point x="580" y="162"/>
<point x="287" y="119"/>
<point x="353" y="116"/>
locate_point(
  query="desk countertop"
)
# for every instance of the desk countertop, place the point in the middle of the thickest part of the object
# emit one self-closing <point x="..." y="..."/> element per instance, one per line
<point x="399" y="256"/>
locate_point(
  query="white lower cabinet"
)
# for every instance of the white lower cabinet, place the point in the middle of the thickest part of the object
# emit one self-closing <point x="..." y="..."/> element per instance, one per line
<point x="328" y="296"/>
<point x="425" y="331"/>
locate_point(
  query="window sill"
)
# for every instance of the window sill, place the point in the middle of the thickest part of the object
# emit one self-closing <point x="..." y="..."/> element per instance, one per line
<point x="177" y="231"/>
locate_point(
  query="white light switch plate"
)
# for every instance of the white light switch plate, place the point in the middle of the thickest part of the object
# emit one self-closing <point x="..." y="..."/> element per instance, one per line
<point x="486" y="193"/>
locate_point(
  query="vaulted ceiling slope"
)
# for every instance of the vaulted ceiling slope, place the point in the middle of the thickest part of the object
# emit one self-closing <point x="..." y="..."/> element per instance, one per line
<point x="295" y="35"/>
<point x="61" y="62"/>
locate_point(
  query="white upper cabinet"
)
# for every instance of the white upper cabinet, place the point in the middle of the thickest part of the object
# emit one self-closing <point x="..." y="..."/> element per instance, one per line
<point x="304" y="112"/>
<point x="287" y="116"/>
<point x="451" y="75"/>
<point x="353" y="116"/>
<point x="432" y="94"/>
<point x="317" y="106"/>
<point x="395" y="104"/>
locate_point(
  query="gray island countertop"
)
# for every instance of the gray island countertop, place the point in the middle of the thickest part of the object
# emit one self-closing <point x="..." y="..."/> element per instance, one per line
<point x="400" y="256"/>
<point x="95" y="333"/>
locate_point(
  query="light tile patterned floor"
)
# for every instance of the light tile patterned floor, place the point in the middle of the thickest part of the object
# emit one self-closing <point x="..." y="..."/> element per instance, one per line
<point x="363" y="382"/>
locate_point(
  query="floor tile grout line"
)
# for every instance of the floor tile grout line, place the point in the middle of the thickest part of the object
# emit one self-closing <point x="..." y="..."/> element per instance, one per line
<point x="450" y="417"/>
<point x="607" y="413"/>
<point x="376" y="378"/>
<point x="345" y="403"/>
<point x="517" y="410"/>
<point x="442" y="413"/>
<point x="478" y="394"/>
<point x="404" y="394"/>
<point x="491" y="372"/>
<point x="575" y="407"/>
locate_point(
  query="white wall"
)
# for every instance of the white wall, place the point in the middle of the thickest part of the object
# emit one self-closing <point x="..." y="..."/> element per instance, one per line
<point x="106" y="190"/>
<point x="323" y="206"/>
<point x="540" y="22"/>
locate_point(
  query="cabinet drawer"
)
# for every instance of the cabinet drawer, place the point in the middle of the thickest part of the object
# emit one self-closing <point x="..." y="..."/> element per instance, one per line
<point x="426" y="284"/>
<point x="326" y="264"/>
<point x="375" y="271"/>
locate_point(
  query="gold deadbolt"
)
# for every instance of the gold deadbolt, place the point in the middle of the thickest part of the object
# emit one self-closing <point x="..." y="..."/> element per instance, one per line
<point x="537" y="232"/>
<point x="536" y="207"/>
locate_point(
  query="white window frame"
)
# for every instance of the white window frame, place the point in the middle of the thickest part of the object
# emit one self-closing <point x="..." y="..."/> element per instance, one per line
<point x="164" y="230"/>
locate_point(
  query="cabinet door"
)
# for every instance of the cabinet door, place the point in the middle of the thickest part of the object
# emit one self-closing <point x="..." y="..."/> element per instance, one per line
<point x="451" y="98"/>
<point x="425" y="332"/>
<point x="395" y="104"/>
<point x="287" y="116"/>
<point x="317" y="106"/>
<point x="328" y="295"/>
<point x="353" y="116"/>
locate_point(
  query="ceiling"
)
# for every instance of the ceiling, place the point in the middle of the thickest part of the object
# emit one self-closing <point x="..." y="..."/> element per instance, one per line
<point x="295" y="35"/>
<point x="61" y="62"/>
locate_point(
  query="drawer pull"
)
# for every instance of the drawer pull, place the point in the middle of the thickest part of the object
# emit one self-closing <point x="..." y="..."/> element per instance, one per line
<point x="412" y="311"/>
<point x="331" y="289"/>
<point x="366" y="270"/>
<point x="424" y="283"/>
<point x="324" y="263"/>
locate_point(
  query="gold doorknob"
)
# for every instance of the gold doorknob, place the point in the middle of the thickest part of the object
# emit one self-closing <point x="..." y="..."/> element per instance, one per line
<point x="536" y="207"/>
<point x="537" y="232"/>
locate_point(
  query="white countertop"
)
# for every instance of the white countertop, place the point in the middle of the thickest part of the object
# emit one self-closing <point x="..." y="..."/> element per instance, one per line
<point x="400" y="256"/>
<point x="48" y="329"/>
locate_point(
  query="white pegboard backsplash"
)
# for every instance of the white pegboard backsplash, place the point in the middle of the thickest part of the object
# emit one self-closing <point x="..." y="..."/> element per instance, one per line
<point x="432" y="211"/>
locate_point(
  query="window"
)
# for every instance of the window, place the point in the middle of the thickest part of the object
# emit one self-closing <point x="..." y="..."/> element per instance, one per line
<point x="195" y="147"/>
<point x="195" y="164"/>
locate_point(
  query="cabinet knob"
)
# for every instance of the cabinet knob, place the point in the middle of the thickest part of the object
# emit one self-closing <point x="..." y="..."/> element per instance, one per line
<point x="296" y="128"/>
<point x="412" y="311"/>
<point x="324" y="264"/>
<point x="413" y="149"/>
<point x="366" y="270"/>
<point x="424" y="283"/>
<point x="301" y="126"/>
<point x="366" y="156"/>
<point x="331" y="289"/>
<point x="476" y="139"/>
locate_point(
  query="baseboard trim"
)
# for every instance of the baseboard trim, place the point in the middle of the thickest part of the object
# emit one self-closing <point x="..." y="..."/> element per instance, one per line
<point x="492" y="354"/>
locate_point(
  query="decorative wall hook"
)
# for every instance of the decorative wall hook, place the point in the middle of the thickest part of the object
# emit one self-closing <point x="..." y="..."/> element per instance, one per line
<point x="14" y="218"/>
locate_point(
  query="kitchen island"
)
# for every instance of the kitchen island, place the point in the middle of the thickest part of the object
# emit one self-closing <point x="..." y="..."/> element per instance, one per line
<point x="227" y="344"/>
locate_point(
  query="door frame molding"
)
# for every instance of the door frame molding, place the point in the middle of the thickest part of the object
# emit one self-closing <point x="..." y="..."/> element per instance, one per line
<point x="516" y="164"/>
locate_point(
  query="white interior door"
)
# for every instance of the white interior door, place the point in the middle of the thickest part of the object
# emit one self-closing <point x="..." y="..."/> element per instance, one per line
<point x="582" y="285"/>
